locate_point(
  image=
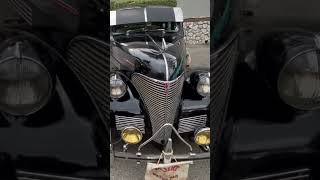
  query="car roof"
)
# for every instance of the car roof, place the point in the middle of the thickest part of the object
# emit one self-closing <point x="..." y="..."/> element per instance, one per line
<point x="146" y="14"/>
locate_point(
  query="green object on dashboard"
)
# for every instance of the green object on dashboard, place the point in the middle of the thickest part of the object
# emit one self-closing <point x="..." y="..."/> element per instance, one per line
<point x="119" y="4"/>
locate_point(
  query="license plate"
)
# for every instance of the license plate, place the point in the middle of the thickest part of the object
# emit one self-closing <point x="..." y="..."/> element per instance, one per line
<point x="172" y="171"/>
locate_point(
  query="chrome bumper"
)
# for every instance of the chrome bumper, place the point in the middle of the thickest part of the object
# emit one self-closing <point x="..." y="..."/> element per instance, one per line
<point x="154" y="157"/>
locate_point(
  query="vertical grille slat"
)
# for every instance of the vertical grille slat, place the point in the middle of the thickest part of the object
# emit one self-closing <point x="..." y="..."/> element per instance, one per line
<point x="300" y="174"/>
<point x="161" y="107"/>
<point x="88" y="58"/>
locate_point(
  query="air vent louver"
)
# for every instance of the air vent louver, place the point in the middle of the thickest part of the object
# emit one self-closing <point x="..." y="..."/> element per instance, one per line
<point x="88" y="58"/>
<point x="222" y="67"/>
<point x="190" y="124"/>
<point x="23" y="9"/>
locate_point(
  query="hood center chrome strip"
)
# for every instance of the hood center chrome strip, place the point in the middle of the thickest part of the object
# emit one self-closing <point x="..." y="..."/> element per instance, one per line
<point x="167" y="68"/>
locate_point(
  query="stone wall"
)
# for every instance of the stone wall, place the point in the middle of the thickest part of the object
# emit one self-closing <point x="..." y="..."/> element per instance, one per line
<point x="197" y="30"/>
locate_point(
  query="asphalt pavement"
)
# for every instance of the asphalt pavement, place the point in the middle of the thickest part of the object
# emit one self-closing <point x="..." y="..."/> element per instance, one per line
<point x="200" y="170"/>
<point x="200" y="55"/>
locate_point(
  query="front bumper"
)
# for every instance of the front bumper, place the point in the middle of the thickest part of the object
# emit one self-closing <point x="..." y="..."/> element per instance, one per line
<point x="139" y="155"/>
<point x="154" y="157"/>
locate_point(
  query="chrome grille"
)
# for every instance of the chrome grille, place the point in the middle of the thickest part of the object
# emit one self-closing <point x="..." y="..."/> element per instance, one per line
<point x="190" y="124"/>
<point x="161" y="100"/>
<point x="88" y="58"/>
<point x="124" y="121"/>
<point x="301" y="174"/>
<point x="222" y="67"/>
<point x="23" y="9"/>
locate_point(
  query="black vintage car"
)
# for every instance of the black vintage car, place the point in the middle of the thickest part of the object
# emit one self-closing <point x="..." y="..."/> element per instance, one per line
<point x="157" y="104"/>
<point x="268" y="53"/>
<point x="53" y="97"/>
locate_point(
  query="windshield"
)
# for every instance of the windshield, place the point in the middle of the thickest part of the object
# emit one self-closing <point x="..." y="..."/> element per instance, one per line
<point x="170" y="29"/>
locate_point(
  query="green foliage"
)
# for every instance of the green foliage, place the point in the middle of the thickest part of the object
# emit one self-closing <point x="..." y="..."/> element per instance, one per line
<point x="119" y="4"/>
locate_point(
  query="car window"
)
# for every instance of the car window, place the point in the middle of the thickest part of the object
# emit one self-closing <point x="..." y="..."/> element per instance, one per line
<point x="169" y="27"/>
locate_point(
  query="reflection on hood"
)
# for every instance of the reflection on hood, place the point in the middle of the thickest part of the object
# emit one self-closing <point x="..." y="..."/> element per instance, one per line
<point x="153" y="61"/>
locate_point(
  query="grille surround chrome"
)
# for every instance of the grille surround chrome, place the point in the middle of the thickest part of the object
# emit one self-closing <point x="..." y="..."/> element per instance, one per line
<point x="88" y="58"/>
<point x="161" y="100"/>
<point x="124" y="121"/>
<point x="190" y="124"/>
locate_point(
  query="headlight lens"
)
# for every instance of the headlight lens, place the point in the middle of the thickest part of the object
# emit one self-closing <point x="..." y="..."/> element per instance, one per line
<point x="299" y="81"/>
<point x="203" y="86"/>
<point x="131" y="135"/>
<point x="202" y="136"/>
<point x="25" y="83"/>
<point x="117" y="87"/>
<point x="289" y="61"/>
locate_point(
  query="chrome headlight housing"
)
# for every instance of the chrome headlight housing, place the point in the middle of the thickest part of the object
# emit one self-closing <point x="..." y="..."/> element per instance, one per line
<point x="203" y="85"/>
<point x="290" y="62"/>
<point x="118" y="88"/>
<point x="131" y="135"/>
<point x="26" y="83"/>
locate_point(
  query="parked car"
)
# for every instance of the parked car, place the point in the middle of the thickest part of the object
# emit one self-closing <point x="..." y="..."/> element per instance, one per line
<point x="53" y="97"/>
<point x="156" y="106"/>
<point x="270" y="52"/>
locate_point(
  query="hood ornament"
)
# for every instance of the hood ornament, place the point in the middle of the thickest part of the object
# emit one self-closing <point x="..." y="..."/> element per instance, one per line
<point x="162" y="51"/>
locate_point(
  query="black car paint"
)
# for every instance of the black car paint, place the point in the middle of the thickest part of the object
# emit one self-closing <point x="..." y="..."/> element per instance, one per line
<point x="48" y="141"/>
<point x="264" y="134"/>
<point x="137" y="53"/>
<point x="145" y="57"/>
<point x="66" y="139"/>
<point x="261" y="134"/>
<point x="192" y="104"/>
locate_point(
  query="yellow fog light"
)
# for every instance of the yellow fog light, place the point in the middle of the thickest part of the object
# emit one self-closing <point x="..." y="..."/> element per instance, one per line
<point x="131" y="135"/>
<point x="202" y="136"/>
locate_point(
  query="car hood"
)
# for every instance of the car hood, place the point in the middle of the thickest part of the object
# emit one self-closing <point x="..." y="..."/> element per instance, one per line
<point x="148" y="59"/>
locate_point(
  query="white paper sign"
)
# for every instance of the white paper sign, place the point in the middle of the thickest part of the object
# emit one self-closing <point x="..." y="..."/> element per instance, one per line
<point x="172" y="171"/>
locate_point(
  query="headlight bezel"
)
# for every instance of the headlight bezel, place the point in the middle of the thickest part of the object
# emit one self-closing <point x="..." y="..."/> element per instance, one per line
<point x="118" y="81"/>
<point x="285" y="68"/>
<point x="203" y="80"/>
<point x="37" y="76"/>
<point x="206" y="131"/>
<point x="131" y="128"/>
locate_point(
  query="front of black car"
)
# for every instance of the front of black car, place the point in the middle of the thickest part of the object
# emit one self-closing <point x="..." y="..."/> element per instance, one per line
<point x="154" y="98"/>
<point x="271" y="130"/>
<point x="51" y="124"/>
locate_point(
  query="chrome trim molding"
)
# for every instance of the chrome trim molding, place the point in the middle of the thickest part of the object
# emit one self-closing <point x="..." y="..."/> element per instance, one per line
<point x="125" y="155"/>
<point x="300" y="174"/>
<point x="26" y="175"/>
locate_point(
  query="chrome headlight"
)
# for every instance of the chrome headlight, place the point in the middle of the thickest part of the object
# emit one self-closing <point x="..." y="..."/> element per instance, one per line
<point x="117" y="87"/>
<point x="25" y="81"/>
<point x="290" y="63"/>
<point x="203" y="86"/>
